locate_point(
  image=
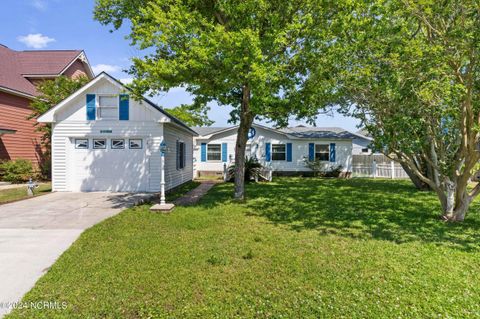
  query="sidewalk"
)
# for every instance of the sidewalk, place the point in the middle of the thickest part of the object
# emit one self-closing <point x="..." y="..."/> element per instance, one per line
<point x="193" y="196"/>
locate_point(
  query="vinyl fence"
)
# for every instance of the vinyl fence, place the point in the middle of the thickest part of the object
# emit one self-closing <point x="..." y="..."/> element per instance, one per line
<point x="376" y="166"/>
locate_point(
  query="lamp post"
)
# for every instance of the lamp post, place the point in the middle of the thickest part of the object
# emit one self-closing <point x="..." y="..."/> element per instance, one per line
<point x="163" y="150"/>
<point x="163" y="206"/>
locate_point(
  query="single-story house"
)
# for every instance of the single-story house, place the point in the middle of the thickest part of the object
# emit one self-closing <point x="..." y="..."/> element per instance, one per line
<point x="105" y="140"/>
<point x="285" y="151"/>
<point x="20" y="73"/>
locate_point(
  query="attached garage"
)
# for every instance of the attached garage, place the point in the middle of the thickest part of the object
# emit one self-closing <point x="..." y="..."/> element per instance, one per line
<point x="103" y="140"/>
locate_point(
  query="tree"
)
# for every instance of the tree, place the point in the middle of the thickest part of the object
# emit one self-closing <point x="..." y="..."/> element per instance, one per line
<point x="248" y="54"/>
<point x="51" y="92"/>
<point x="409" y="70"/>
<point x="191" y="115"/>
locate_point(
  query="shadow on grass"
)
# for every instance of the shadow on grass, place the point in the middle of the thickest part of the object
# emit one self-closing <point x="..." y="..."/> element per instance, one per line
<point x="357" y="208"/>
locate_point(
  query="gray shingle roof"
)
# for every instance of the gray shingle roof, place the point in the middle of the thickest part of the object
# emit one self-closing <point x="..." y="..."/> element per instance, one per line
<point x="318" y="132"/>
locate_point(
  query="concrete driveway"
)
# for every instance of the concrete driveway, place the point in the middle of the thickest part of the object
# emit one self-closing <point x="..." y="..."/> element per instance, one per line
<point x="36" y="231"/>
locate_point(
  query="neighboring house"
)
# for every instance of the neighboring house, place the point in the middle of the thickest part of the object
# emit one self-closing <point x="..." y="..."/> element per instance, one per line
<point x="104" y="140"/>
<point x="283" y="150"/>
<point x="361" y="143"/>
<point x="20" y="72"/>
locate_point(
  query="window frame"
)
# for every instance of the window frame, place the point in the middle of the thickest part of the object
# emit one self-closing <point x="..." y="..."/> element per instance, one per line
<point x="99" y="139"/>
<point x="117" y="148"/>
<point x="82" y="148"/>
<point x="181" y="155"/>
<point x="219" y="152"/>
<point x="99" y="107"/>
<point x="277" y="153"/>
<point x="327" y="152"/>
<point x="135" y="139"/>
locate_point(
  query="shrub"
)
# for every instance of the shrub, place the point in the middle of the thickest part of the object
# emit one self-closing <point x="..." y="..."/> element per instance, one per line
<point x="252" y="169"/>
<point x="321" y="169"/>
<point x="16" y="171"/>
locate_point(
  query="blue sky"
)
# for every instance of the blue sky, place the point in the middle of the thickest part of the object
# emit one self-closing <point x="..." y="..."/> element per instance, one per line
<point x="69" y="24"/>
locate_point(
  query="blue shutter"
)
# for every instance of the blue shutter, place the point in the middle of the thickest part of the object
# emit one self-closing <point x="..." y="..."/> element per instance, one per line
<point x="184" y="158"/>
<point x="289" y="152"/>
<point x="91" y="107"/>
<point x="311" y="151"/>
<point x="124" y="107"/>
<point x="332" y="152"/>
<point x="267" y="152"/>
<point x="224" y="152"/>
<point x="204" y="152"/>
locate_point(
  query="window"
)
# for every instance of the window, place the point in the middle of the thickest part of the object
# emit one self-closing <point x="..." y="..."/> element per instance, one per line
<point x="322" y="152"/>
<point x="108" y="107"/>
<point x="214" y="152"/>
<point x="81" y="143"/>
<point x="136" y="144"/>
<point x="181" y="155"/>
<point x="278" y="152"/>
<point x="118" y="144"/>
<point x="364" y="150"/>
<point x="99" y="144"/>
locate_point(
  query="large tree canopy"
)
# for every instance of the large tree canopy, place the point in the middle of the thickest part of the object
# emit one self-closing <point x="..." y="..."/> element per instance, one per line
<point x="410" y="71"/>
<point x="248" y="54"/>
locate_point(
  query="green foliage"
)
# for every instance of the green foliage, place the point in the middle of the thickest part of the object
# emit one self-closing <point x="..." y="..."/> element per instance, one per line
<point x="322" y="169"/>
<point x="252" y="169"/>
<point x="251" y="55"/>
<point x="192" y="115"/>
<point x="51" y="92"/>
<point x="16" y="171"/>
<point x="329" y="248"/>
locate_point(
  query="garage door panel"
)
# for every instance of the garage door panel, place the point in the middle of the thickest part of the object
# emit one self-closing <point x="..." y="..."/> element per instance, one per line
<point x="116" y="170"/>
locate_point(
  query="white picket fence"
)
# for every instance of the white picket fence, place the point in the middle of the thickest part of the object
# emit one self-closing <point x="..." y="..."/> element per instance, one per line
<point x="382" y="170"/>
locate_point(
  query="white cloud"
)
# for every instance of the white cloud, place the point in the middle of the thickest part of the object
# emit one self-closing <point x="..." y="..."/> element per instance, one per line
<point x="105" y="68"/>
<point x="35" y="40"/>
<point x="39" y="4"/>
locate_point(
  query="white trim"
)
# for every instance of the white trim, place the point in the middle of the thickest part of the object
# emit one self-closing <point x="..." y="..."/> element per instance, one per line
<point x="83" y="58"/>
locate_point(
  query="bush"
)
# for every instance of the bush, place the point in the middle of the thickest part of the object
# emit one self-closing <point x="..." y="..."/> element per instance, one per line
<point x="16" y="171"/>
<point x="321" y="169"/>
<point x="252" y="169"/>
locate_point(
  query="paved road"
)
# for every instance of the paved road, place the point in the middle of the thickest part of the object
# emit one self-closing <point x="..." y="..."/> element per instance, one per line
<point x="35" y="232"/>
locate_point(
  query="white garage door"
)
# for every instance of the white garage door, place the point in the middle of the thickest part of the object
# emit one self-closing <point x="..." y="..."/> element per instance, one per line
<point x="116" y="165"/>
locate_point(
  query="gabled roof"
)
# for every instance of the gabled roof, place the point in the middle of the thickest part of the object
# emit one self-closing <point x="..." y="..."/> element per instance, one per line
<point x="16" y="67"/>
<point x="49" y="116"/>
<point x="207" y="130"/>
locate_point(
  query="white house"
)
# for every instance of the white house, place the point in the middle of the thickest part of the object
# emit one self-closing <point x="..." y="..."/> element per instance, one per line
<point x="282" y="150"/>
<point x="104" y="140"/>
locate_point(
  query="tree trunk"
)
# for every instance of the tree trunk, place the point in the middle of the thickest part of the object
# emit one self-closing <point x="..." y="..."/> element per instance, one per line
<point x="246" y="120"/>
<point x="457" y="201"/>
<point x="419" y="184"/>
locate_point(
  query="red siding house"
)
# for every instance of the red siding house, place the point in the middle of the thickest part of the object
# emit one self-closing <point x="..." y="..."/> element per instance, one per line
<point x="20" y="71"/>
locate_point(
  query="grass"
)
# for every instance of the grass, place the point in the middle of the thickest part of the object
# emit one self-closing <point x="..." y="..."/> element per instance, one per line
<point x="177" y="192"/>
<point x="18" y="193"/>
<point x="310" y="248"/>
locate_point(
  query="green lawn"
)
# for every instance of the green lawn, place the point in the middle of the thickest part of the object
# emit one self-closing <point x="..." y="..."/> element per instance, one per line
<point x="18" y="193"/>
<point x="313" y="248"/>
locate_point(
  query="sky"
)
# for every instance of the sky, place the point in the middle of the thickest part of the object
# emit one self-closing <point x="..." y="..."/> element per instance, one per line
<point x="69" y="24"/>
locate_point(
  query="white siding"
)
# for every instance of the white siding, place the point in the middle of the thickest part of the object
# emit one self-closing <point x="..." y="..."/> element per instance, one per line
<point x="143" y="123"/>
<point x="174" y="176"/>
<point x="257" y="147"/>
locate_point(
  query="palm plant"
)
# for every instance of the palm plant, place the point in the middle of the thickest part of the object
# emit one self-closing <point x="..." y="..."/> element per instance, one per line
<point x="252" y="169"/>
